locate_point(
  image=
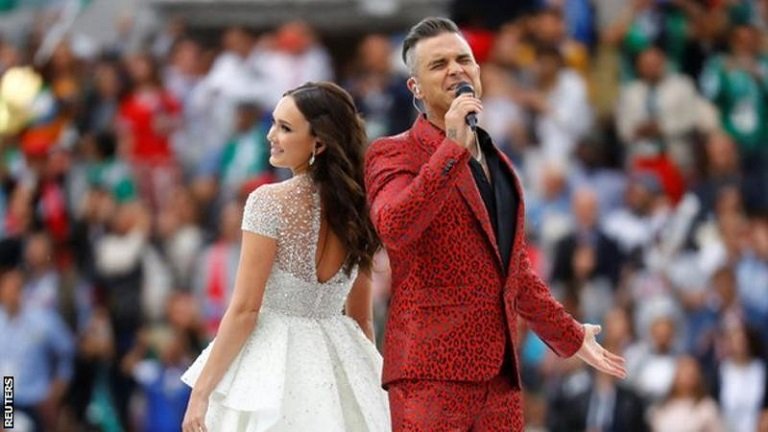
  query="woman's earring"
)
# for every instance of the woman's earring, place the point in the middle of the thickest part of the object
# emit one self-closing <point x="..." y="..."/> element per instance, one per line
<point x="312" y="158"/>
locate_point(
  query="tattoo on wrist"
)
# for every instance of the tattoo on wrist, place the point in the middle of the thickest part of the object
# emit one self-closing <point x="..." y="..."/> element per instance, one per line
<point x="451" y="134"/>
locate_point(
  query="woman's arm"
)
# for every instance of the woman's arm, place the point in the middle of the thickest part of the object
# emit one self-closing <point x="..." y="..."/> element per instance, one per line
<point x="256" y="258"/>
<point x="360" y="304"/>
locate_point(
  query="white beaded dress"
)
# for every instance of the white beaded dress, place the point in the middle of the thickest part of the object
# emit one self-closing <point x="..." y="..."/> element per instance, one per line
<point x="305" y="367"/>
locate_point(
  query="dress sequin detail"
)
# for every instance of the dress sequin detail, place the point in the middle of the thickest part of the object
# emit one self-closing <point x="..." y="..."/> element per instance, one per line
<point x="306" y="366"/>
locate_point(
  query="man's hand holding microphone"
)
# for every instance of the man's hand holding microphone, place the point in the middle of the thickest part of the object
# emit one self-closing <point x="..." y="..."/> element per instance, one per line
<point x="461" y="117"/>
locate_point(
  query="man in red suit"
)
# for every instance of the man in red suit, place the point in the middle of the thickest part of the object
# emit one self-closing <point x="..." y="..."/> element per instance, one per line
<point x="449" y="209"/>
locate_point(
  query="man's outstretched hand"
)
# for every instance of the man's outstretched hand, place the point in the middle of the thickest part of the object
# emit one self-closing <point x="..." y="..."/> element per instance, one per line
<point x="593" y="354"/>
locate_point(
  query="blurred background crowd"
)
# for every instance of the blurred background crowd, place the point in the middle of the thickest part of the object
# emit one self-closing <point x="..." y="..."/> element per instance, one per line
<point x="639" y="129"/>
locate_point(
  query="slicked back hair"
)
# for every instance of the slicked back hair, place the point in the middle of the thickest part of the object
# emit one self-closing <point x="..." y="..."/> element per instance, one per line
<point x="426" y="28"/>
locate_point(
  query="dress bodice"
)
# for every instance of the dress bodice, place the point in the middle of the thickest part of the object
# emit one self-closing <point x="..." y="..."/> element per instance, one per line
<point x="305" y="367"/>
<point x="290" y="213"/>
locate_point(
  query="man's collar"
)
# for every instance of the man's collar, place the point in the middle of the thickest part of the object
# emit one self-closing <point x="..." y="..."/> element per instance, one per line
<point x="428" y="134"/>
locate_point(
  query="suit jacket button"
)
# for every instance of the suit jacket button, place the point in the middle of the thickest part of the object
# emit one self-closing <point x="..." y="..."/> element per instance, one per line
<point x="448" y="166"/>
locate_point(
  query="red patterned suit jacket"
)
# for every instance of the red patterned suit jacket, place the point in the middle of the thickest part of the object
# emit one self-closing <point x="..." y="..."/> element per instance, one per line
<point x="451" y="304"/>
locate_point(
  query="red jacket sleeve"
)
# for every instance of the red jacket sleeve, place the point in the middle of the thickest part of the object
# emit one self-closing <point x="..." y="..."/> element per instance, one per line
<point x="406" y="194"/>
<point x="545" y="315"/>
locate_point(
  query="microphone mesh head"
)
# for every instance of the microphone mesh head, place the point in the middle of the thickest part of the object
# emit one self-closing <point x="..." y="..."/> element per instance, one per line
<point x="464" y="87"/>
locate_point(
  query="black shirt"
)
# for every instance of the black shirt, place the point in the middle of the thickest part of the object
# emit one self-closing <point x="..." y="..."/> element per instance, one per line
<point x="499" y="196"/>
<point x="501" y="201"/>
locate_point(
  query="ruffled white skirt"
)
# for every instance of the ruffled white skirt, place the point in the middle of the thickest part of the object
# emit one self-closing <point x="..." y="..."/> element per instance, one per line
<point x="299" y="374"/>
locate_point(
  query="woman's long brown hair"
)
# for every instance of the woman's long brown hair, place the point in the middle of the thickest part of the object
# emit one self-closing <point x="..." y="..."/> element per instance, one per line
<point x="338" y="171"/>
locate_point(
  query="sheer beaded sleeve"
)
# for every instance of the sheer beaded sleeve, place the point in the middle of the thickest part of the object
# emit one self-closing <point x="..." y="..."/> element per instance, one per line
<point x="262" y="213"/>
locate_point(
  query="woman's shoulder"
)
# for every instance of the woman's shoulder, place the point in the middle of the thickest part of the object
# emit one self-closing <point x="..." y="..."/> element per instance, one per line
<point x="275" y="204"/>
<point x="263" y="211"/>
<point x="281" y="193"/>
<point x="260" y="197"/>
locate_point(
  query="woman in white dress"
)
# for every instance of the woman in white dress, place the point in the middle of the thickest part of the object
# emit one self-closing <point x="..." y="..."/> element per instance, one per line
<point x="294" y="351"/>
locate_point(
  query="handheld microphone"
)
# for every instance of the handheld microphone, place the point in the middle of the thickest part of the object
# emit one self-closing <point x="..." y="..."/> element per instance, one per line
<point x="471" y="118"/>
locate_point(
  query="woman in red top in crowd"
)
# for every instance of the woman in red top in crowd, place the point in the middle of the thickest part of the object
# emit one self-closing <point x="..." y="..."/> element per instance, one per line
<point x="147" y="117"/>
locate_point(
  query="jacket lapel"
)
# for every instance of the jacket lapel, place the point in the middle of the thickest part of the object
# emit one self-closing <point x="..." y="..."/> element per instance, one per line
<point x="430" y="137"/>
<point x="468" y="189"/>
<point x="517" y="242"/>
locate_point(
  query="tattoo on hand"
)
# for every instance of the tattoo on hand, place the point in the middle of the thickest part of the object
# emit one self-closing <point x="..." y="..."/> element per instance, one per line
<point x="451" y="134"/>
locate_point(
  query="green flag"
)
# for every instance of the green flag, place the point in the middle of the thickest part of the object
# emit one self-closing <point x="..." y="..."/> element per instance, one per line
<point x="7" y="5"/>
<point x="14" y="5"/>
